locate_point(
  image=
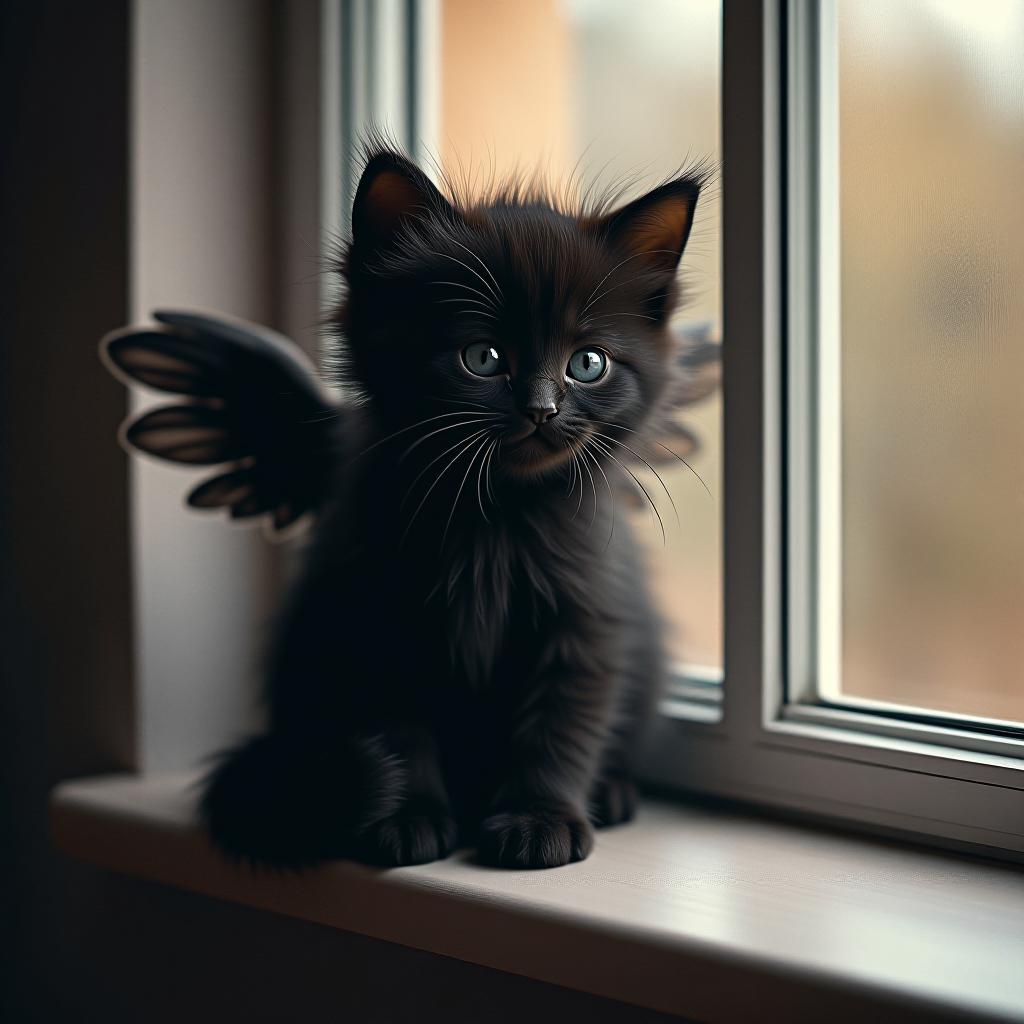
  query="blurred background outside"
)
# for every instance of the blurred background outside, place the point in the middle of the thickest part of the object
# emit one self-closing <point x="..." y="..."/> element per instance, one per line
<point x="931" y="135"/>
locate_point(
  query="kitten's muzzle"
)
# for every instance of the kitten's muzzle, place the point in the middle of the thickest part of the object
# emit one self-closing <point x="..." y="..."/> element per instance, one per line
<point x="531" y="429"/>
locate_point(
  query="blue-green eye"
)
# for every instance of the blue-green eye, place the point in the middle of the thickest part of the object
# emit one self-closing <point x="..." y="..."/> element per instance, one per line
<point x="483" y="359"/>
<point x="587" y="365"/>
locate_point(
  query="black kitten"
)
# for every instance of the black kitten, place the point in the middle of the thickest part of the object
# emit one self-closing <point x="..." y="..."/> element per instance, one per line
<point x="471" y="644"/>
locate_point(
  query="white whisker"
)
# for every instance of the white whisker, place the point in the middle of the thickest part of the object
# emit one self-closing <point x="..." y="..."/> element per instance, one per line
<point x="476" y="291"/>
<point x="590" y="300"/>
<point x="412" y="426"/>
<point x="479" y="477"/>
<point x="451" y="426"/>
<point x="490" y="492"/>
<point x="458" y="493"/>
<point x="455" y="259"/>
<point x="455" y="458"/>
<point x="637" y="455"/>
<point x="602" y="447"/>
<point x="593" y="488"/>
<point x="437" y="459"/>
<point x="651" y="440"/>
<point x="611" y="494"/>
<point x="487" y="270"/>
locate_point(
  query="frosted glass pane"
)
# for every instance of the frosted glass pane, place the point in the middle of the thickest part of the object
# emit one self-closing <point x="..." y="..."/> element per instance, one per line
<point x="932" y="323"/>
<point x="625" y="89"/>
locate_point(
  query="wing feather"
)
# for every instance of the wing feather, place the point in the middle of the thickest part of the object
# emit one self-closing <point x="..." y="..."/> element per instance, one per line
<point x="224" y="490"/>
<point x="196" y="434"/>
<point x="253" y="404"/>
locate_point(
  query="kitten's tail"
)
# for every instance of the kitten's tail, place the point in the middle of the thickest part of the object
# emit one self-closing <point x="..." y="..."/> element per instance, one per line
<point x="290" y="803"/>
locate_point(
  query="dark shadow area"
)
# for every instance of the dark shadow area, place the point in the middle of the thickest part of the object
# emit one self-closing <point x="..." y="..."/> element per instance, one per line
<point x="66" y="697"/>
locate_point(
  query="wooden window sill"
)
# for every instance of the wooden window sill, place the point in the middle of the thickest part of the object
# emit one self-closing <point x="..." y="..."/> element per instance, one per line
<point x="705" y="913"/>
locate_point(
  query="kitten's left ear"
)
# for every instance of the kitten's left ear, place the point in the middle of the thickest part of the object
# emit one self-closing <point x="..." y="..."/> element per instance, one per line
<point x="654" y="229"/>
<point x="392" y="192"/>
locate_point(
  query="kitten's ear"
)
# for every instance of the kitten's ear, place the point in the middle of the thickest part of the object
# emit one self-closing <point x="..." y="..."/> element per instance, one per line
<point x="654" y="228"/>
<point x="392" y="192"/>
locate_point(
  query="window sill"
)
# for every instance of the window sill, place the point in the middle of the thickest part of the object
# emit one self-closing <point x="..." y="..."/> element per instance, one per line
<point x="703" y="913"/>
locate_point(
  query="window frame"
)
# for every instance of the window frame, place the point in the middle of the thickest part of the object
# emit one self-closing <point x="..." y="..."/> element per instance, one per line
<point x="920" y="774"/>
<point x="814" y="411"/>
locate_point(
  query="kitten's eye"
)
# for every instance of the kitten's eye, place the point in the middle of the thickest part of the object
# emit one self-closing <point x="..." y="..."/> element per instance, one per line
<point x="587" y="365"/>
<point x="483" y="359"/>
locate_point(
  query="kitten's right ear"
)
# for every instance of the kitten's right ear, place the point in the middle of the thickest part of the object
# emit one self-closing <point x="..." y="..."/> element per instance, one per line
<point x="392" y="192"/>
<point x="656" y="227"/>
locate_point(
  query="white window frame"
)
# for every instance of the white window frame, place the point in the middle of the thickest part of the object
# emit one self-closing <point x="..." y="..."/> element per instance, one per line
<point x="936" y="778"/>
<point x="763" y="736"/>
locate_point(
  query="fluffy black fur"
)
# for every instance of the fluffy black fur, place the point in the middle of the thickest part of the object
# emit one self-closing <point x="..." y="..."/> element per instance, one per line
<point x="471" y="644"/>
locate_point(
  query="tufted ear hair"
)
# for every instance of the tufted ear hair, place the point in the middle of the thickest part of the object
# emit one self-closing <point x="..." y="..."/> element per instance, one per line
<point x="654" y="228"/>
<point x="393" y="192"/>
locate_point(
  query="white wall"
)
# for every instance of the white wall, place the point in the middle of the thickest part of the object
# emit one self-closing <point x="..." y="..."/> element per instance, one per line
<point x="202" y="235"/>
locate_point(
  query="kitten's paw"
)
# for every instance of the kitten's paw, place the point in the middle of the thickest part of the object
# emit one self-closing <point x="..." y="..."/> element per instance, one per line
<point x="613" y="801"/>
<point x="280" y="801"/>
<point x="535" y="838"/>
<point x="418" y="832"/>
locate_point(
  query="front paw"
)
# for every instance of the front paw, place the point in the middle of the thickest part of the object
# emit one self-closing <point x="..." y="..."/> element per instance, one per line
<point x="416" y="833"/>
<point x="539" y="837"/>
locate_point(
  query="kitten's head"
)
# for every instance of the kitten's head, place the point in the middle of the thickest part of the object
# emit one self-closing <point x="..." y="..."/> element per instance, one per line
<point x="511" y="318"/>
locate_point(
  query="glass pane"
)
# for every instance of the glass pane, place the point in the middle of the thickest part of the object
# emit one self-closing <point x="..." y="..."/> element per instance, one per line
<point x="624" y="89"/>
<point x="931" y="165"/>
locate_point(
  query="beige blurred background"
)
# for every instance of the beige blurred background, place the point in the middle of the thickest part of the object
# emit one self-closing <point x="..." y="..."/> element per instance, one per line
<point x="932" y="275"/>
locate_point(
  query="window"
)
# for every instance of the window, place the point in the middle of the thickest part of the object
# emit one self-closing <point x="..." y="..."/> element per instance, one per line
<point x="823" y="713"/>
<point x="904" y="420"/>
<point x="870" y="457"/>
<point x="920" y="461"/>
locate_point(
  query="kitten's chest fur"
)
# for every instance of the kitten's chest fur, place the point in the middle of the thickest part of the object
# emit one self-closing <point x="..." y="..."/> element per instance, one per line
<point x="501" y="586"/>
<point x="482" y="594"/>
<point x="469" y="602"/>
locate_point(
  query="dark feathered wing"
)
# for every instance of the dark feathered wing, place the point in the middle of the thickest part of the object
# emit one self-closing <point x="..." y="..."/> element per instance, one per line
<point x="254" y="406"/>
<point x="665" y="441"/>
<point x="698" y="374"/>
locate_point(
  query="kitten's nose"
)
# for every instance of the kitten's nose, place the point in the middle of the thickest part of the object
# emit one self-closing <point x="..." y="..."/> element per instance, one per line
<point x="541" y="413"/>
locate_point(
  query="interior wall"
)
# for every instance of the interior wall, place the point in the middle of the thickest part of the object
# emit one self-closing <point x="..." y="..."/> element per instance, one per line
<point x="66" y="698"/>
<point x="203" y="236"/>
